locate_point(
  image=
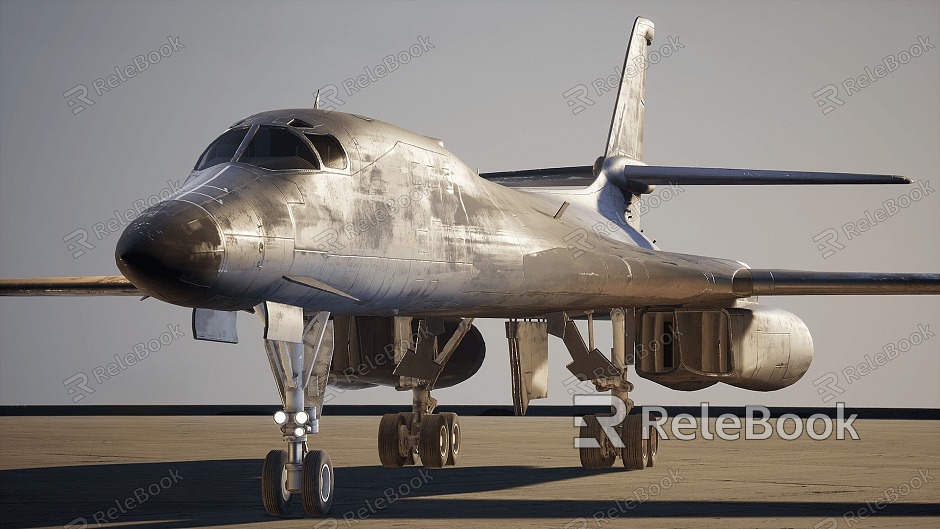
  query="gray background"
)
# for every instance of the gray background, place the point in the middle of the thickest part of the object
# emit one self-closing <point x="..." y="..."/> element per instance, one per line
<point x="739" y="94"/>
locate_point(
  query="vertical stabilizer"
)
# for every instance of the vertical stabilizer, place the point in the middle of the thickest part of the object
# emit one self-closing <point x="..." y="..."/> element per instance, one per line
<point x="626" y="127"/>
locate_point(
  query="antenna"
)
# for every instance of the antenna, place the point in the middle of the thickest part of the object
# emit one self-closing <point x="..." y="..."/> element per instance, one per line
<point x="316" y="100"/>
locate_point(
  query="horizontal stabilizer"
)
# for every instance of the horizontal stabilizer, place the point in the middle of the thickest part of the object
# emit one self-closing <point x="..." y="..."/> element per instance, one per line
<point x="710" y="176"/>
<point x="69" y="286"/>
<point x="583" y="176"/>
<point x="751" y="282"/>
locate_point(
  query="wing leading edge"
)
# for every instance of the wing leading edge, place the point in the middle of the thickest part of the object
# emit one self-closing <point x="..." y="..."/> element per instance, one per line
<point x="756" y="282"/>
<point x="69" y="286"/>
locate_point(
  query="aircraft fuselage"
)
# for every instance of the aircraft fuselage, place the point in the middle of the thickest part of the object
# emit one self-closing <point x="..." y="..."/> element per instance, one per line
<point x="404" y="227"/>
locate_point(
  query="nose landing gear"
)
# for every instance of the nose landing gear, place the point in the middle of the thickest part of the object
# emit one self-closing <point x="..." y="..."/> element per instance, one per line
<point x="300" y="371"/>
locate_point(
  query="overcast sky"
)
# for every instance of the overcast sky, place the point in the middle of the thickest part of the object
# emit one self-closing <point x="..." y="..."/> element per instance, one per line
<point x="740" y="87"/>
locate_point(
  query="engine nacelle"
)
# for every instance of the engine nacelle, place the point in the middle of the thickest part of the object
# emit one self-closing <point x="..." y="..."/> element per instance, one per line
<point x="749" y="346"/>
<point x="364" y="353"/>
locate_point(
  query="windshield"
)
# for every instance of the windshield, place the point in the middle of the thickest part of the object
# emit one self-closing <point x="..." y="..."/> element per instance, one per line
<point x="222" y="149"/>
<point x="278" y="148"/>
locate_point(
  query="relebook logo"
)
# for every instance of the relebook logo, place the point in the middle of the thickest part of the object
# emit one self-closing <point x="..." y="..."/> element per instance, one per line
<point x="756" y="424"/>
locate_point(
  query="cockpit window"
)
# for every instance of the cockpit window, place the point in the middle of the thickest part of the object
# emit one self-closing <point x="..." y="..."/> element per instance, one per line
<point x="222" y="149"/>
<point x="277" y="148"/>
<point x="331" y="152"/>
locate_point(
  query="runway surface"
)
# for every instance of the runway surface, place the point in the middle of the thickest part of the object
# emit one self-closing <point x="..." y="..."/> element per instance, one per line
<point x="513" y="472"/>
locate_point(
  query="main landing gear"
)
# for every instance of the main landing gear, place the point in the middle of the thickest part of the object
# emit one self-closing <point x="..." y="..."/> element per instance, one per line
<point x="604" y="438"/>
<point x="433" y="437"/>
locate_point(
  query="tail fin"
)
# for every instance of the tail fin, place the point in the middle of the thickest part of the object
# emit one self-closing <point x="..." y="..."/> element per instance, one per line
<point x="626" y="127"/>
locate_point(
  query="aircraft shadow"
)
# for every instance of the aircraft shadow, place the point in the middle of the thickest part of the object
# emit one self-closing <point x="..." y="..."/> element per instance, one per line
<point x="227" y="492"/>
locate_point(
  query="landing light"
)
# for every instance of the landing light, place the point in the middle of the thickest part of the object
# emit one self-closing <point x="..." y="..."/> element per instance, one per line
<point x="300" y="431"/>
<point x="301" y="417"/>
<point x="280" y="417"/>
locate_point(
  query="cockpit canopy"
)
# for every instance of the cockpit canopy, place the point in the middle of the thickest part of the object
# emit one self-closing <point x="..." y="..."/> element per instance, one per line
<point x="276" y="147"/>
<point x="223" y="149"/>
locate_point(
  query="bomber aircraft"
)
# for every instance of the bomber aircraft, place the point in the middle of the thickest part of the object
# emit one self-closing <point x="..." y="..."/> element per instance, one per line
<point x="367" y="250"/>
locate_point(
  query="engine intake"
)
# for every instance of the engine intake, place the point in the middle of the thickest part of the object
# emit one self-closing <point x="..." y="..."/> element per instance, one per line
<point x="364" y="353"/>
<point x="749" y="346"/>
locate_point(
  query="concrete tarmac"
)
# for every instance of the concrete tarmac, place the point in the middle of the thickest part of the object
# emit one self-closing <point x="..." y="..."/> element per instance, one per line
<point x="169" y="472"/>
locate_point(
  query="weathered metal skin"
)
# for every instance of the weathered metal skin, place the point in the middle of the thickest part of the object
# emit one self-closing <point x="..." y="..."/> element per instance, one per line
<point x="243" y="253"/>
<point x="407" y="229"/>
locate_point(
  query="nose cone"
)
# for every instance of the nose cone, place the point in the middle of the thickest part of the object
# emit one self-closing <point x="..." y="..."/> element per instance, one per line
<point x="173" y="252"/>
